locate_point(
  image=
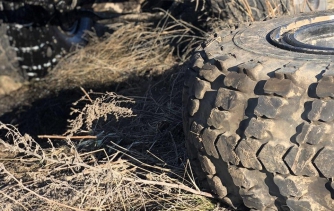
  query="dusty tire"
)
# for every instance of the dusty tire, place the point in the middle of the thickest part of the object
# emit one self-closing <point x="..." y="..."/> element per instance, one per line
<point x="254" y="10"/>
<point x="259" y="119"/>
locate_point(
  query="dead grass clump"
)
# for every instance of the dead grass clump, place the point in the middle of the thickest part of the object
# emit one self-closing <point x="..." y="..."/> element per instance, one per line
<point x="101" y="107"/>
<point x="131" y="46"/>
<point x="152" y="129"/>
<point x="132" y="50"/>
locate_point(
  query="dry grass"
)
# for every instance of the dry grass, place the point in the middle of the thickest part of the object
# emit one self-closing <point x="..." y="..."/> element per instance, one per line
<point x="65" y="179"/>
<point x="138" y="160"/>
<point x="273" y="8"/>
<point x="246" y="10"/>
<point x="133" y="50"/>
<point x="136" y="163"/>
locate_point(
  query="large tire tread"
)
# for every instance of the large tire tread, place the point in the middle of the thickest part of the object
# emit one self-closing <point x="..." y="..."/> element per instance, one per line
<point x="262" y="130"/>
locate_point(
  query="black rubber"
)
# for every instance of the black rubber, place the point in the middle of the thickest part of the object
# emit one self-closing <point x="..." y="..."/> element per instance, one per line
<point x="40" y="47"/>
<point x="255" y="10"/>
<point x="260" y="119"/>
<point x="38" y="39"/>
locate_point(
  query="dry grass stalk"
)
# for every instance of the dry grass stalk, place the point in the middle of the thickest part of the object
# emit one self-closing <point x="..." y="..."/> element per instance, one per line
<point x="66" y="179"/>
<point x="272" y="8"/>
<point x="152" y="119"/>
<point x="66" y="137"/>
<point x="248" y="9"/>
<point x="129" y="47"/>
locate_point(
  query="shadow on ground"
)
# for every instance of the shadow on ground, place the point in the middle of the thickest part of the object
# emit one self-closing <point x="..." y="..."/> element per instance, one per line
<point x="42" y="108"/>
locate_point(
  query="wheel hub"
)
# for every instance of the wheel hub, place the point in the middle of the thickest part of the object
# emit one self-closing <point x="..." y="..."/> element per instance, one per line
<point x="313" y="36"/>
<point x="69" y="23"/>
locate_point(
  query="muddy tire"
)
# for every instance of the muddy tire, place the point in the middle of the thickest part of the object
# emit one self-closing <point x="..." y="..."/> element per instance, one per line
<point x="259" y="119"/>
<point x="254" y="10"/>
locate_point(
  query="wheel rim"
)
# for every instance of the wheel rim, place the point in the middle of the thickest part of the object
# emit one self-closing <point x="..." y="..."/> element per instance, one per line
<point x="313" y="36"/>
<point x="70" y="28"/>
<point x="73" y="33"/>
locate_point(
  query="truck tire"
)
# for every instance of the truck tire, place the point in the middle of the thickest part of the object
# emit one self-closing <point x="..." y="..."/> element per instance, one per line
<point x="39" y="48"/>
<point x="258" y="114"/>
<point x="255" y="10"/>
<point x="35" y="43"/>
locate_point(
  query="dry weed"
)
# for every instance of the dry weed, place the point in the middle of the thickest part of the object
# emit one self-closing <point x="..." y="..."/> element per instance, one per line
<point x="62" y="178"/>
<point x="132" y="50"/>
<point x="137" y="162"/>
<point x="152" y="120"/>
<point x="245" y="10"/>
<point x="106" y="105"/>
